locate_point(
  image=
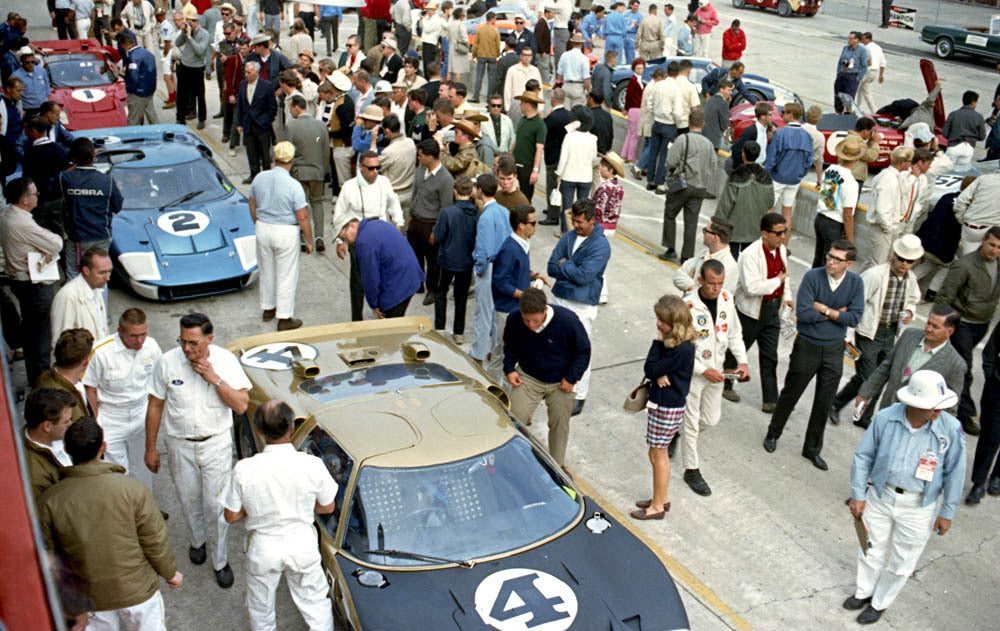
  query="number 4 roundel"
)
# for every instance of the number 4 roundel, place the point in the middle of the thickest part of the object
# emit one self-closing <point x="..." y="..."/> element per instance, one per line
<point x="520" y="599"/>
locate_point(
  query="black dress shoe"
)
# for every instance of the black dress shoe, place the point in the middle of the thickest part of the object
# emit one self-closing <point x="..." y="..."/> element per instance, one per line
<point x="219" y="115"/>
<point x="975" y="494"/>
<point x="165" y="515"/>
<point x="834" y="415"/>
<point x="770" y="444"/>
<point x="696" y="482"/>
<point x="201" y="125"/>
<point x="578" y="407"/>
<point x="817" y="462"/>
<point x="667" y="255"/>
<point x="854" y="604"/>
<point x="651" y="187"/>
<point x="768" y="408"/>
<point x="970" y="427"/>
<point x="225" y="139"/>
<point x="551" y="221"/>
<point x="429" y="298"/>
<point x="993" y="487"/>
<point x="224" y="577"/>
<point x="320" y="245"/>
<point x="248" y="180"/>
<point x="197" y="555"/>
<point x="863" y="424"/>
<point x="870" y="615"/>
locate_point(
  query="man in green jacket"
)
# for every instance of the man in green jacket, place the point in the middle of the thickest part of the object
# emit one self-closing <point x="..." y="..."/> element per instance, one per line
<point x="108" y="530"/>
<point x="48" y="413"/>
<point x="746" y="198"/>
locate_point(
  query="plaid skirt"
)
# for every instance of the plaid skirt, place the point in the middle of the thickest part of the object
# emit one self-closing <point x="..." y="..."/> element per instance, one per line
<point x="662" y="425"/>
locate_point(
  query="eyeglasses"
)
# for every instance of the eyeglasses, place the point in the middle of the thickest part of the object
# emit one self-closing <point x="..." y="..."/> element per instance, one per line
<point x="707" y="231"/>
<point x="532" y="223"/>
<point x="496" y="104"/>
<point x="902" y="260"/>
<point x="778" y="232"/>
<point x="371" y="168"/>
<point x="33" y="194"/>
<point x="188" y="343"/>
<point x="835" y="259"/>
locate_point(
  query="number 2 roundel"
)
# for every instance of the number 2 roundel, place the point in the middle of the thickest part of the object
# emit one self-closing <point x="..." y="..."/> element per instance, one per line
<point x="520" y="599"/>
<point x="183" y="223"/>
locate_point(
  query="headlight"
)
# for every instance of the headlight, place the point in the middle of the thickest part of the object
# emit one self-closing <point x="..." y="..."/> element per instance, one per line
<point x="140" y="265"/>
<point x="246" y="248"/>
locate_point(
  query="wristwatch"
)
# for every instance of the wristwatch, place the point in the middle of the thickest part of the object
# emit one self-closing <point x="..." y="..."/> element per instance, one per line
<point x="827" y="312"/>
<point x="219" y="383"/>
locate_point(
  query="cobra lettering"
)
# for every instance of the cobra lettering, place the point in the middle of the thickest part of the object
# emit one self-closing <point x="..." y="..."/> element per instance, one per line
<point x="85" y="191"/>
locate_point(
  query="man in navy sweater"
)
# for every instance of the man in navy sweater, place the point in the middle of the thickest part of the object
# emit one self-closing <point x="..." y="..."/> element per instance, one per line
<point x="550" y="350"/>
<point x="454" y="236"/>
<point x="389" y="269"/>
<point x="140" y="81"/>
<point x="830" y="300"/>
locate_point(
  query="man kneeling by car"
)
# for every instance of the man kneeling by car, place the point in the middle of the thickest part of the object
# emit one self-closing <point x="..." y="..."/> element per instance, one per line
<point x="278" y="491"/>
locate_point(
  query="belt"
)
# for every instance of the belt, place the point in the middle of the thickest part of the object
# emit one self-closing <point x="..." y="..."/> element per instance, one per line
<point x="901" y="490"/>
<point x="200" y="439"/>
<point x="564" y="81"/>
<point x="969" y="225"/>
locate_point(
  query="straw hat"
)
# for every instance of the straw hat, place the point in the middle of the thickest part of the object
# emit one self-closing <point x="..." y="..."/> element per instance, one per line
<point x="431" y="5"/>
<point x="530" y="97"/>
<point x="927" y="390"/>
<point x="260" y="39"/>
<point x="467" y="127"/>
<point x="226" y="6"/>
<point x="22" y="51"/>
<point x="373" y="113"/>
<point x="284" y="151"/>
<point x="189" y="12"/>
<point x="401" y="83"/>
<point x="577" y="38"/>
<point x="850" y="148"/>
<point x="474" y="116"/>
<point x="340" y="81"/>
<point x="908" y="247"/>
<point x="615" y="160"/>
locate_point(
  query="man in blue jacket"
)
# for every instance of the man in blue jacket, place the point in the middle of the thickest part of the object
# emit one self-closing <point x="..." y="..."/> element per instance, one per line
<point x="455" y="237"/>
<point x="256" y="109"/>
<point x="90" y="199"/>
<point x="632" y="20"/>
<point x="50" y="111"/>
<point x="614" y="29"/>
<point x="912" y="454"/>
<point x="789" y="158"/>
<point x="577" y="263"/>
<point x="830" y="300"/>
<point x="592" y="25"/>
<point x="546" y="352"/>
<point x="389" y="269"/>
<point x="492" y="229"/>
<point x="710" y="82"/>
<point x="140" y="81"/>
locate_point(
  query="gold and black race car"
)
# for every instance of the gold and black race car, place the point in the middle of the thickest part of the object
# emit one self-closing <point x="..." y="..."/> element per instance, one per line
<point x="449" y="514"/>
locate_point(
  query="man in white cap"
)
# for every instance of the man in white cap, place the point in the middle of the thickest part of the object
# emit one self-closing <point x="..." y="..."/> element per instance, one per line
<point x="912" y="454"/>
<point x="886" y="216"/>
<point x="35" y="79"/>
<point x="391" y="62"/>
<point x="891" y="296"/>
<point x="278" y="209"/>
<point x="340" y="123"/>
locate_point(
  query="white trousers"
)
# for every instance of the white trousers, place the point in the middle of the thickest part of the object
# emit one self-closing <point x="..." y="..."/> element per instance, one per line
<point x="342" y="166"/>
<point x="972" y="238"/>
<point x="146" y="616"/>
<point x="701" y="41"/>
<point x="880" y="246"/>
<point x="298" y="558"/>
<point x="125" y="434"/>
<point x="897" y="525"/>
<point x="587" y="314"/>
<point x="865" y="97"/>
<point x="278" y="262"/>
<point x="201" y="472"/>
<point x="703" y="408"/>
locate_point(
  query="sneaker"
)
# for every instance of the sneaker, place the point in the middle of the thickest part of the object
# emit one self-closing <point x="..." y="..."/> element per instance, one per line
<point x="232" y="152"/>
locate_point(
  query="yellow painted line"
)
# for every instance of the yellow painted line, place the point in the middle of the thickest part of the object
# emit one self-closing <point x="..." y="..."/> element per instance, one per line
<point x="701" y="591"/>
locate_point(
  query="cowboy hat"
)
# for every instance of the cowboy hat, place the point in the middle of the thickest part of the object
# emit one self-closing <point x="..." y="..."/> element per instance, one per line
<point x="466" y="127"/>
<point x="474" y="116"/>
<point x="908" y="247"/>
<point x="927" y="390"/>
<point x="340" y="81"/>
<point x="530" y="97"/>
<point x="401" y="83"/>
<point x="615" y="161"/>
<point x="260" y="40"/>
<point x="284" y="151"/>
<point x="383" y="87"/>
<point x="373" y="113"/>
<point x="850" y="148"/>
<point x="189" y="12"/>
<point x="225" y="6"/>
<point x="23" y="51"/>
<point x="577" y="38"/>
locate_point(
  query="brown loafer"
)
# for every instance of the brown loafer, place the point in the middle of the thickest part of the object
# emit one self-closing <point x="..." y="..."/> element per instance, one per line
<point x="647" y="503"/>
<point x="287" y="324"/>
<point x="269" y="315"/>
<point x="642" y="515"/>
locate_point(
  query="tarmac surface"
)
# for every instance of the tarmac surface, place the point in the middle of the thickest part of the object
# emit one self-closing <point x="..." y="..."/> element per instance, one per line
<point x="774" y="546"/>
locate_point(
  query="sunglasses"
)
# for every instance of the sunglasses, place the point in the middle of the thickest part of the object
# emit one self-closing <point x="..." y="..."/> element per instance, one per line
<point x="496" y="104"/>
<point x="371" y="168"/>
<point x="902" y="260"/>
<point x="532" y="223"/>
<point x="707" y="231"/>
<point x="778" y="232"/>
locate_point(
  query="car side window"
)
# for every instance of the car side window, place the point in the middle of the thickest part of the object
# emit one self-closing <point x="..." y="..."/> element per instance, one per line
<point x="338" y="463"/>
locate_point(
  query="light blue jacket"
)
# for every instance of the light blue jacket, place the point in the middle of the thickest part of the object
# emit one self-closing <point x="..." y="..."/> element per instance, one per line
<point x="614" y="25"/>
<point x="581" y="275"/>
<point x="685" y="41"/>
<point x="873" y="457"/>
<point x="492" y="230"/>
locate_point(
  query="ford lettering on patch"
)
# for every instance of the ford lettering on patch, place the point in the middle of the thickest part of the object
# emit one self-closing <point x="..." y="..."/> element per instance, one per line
<point x="520" y="599"/>
<point x="177" y="382"/>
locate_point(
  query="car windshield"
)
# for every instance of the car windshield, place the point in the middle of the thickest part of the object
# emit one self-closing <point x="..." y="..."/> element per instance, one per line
<point x="78" y="71"/>
<point x="152" y="187"/>
<point x="489" y="504"/>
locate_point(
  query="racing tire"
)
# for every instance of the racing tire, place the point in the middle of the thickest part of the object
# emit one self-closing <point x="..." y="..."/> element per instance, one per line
<point x="739" y="100"/>
<point x="245" y="445"/>
<point x="944" y="47"/>
<point x="739" y="4"/>
<point x="618" y="95"/>
<point x="784" y="9"/>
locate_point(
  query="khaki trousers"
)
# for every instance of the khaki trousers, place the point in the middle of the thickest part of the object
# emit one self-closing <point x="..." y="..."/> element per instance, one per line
<point x="314" y="194"/>
<point x="140" y="107"/>
<point x="526" y="397"/>
<point x="703" y="408"/>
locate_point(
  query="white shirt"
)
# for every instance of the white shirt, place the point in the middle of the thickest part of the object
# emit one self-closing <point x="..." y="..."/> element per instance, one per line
<point x="193" y="407"/>
<point x="877" y="58"/>
<point x="761" y="142"/>
<point x="360" y="200"/>
<point x="689" y="99"/>
<point x="562" y="10"/>
<point x="666" y="101"/>
<point x="549" y="313"/>
<point x="835" y="282"/>
<point x="839" y="191"/>
<point x="577" y="157"/>
<point x="120" y="374"/>
<point x="432" y="25"/>
<point x="279" y="489"/>
<point x="577" y="243"/>
<point x="524" y="243"/>
<point x="57" y="449"/>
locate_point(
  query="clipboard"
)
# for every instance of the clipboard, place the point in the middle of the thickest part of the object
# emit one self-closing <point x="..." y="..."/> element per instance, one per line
<point x="862" y="532"/>
<point x="39" y="271"/>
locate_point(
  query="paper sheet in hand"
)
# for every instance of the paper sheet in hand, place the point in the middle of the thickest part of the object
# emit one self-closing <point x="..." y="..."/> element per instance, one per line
<point x="862" y="532"/>
<point x="40" y="271"/>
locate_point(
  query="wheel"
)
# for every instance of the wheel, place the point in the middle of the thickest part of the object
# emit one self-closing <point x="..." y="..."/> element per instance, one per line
<point x="739" y="4"/>
<point x="618" y="96"/>
<point x="944" y="47"/>
<point x="738" y="99"/>
<point x="784" y="9"/>
<point x="245" y="445"/>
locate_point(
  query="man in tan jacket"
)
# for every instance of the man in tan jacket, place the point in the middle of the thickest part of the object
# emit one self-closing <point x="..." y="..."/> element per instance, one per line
<point x="72" y="354"/>
<point x="109" y="532"/>
<point x="486" y="50"/>
<point x="48" y="413"/>
<point x="649" y="36"/>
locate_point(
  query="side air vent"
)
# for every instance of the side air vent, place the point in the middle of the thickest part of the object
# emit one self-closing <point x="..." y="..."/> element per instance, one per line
<point x="416" y="352"/>
<point x="359" y="357"/>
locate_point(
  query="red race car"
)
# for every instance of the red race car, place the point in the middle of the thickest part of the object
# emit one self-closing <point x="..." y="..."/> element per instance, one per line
<point x="834" y="127"/>
<point x="785" y="8"/>
<point x="85" y="81"/>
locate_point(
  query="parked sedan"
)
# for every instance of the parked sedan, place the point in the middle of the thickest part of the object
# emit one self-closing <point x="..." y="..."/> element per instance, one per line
<point x="976" y="41"/>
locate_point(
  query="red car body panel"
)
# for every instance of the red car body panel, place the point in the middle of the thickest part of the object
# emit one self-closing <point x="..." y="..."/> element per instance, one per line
<point x="806" y="7"/>
<point x="90" y="107"/>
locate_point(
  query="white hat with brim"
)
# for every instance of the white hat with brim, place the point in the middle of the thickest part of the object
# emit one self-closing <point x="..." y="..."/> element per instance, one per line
<point x="927" y="390"/>
<point x="225" y="6"/>
<point x="373" y="113"/>
<point x="908" y="247"/>
<point x="284" y="151"/>
<point x="24" y="50"/>
<point x="340" y="81"/>
<point x="383" y="87"/>
<point x="260" y="39"/>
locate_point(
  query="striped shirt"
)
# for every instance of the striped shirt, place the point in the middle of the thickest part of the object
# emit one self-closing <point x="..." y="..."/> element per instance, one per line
<point x="893" y="303"/>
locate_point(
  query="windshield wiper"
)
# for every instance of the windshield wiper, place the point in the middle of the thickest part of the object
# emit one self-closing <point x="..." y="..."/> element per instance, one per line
<point x="182" y="199"/>
<point x="417" y="556"/>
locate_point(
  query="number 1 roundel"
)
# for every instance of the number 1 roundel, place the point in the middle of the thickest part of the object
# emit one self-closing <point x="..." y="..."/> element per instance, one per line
<point x="183" y="223"/>
<point x="520" y="599"/>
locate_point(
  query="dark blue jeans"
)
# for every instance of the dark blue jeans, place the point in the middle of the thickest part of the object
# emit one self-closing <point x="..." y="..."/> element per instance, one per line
<point x="872" y="353"/>
<point x="847" y="84"/>
<point x="487" y="66"/>
<point x="964" y="339"/>
<point x="989" y="439"/>
<point x="656" y="168"/>
<point x="571" y="191"/>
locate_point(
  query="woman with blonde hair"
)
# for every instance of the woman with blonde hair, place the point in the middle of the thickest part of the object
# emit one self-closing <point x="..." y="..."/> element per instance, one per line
<point x="669" y="366"/>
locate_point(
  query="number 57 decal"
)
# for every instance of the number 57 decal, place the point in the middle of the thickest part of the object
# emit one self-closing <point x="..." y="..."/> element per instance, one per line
<point x="525" y="600"/>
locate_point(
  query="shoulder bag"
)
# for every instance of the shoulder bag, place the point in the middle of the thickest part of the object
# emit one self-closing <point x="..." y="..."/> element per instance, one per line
<point x="636" y="400"/>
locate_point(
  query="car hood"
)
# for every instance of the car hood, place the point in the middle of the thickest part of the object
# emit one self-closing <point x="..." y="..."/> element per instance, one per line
<point x="92" y="108"/>
<point x="618" y="584"/>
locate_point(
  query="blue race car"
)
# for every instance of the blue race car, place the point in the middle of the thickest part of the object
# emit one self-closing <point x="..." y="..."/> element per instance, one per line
<point x="760" y="87"/>
<point x="184" y="231"/>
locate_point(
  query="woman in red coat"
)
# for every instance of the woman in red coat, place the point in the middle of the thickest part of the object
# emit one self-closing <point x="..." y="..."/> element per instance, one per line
<point x="633" y="104"/>
<point x="734" y="41"/>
